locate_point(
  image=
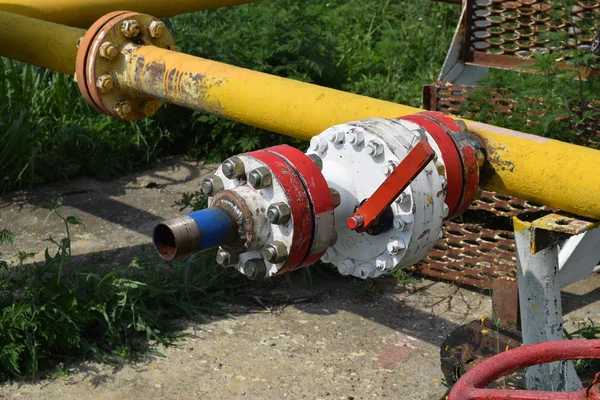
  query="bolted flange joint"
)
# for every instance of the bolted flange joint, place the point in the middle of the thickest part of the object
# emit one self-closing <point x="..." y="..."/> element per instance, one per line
<point x="103" y="53"/>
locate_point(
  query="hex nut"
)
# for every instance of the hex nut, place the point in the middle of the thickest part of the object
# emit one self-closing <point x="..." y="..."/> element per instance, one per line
<point x="335" y="136"/>
<point x="108" y="50"/>
<point x="329" y="255"/>
<point x="211" y="185"/>
<point x="354" y="137"/>
<point x="374" y="148"/>
<point x="396" y="246"/>
<point x="346" y="267"/>
<point x="275" y="252"/>
<point x="336" y="197"/>
<point x="317" y="160"/>
<point x="226" y="259"/>
<point x="130" y="28"/>
<point x="260" y="178"/>
<point x="480" y="158"/>
<point x="366" y="271"/>
<point x="279" y="213"/>
<point x="233" y="168"/>
<point x="123" y="108"/>
<point x="255" y="269"/>
<point x="462" y="124"/>
<point x="318" y="144"/>
<point x="388" y="168"/>
<point x="381" y="264"/>
<point x="105" y="83"/>
<point x="157" y="29"/>
<point x="150" y="108"/>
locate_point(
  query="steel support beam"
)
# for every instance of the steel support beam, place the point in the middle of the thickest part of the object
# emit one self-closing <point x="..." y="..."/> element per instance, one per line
<point x="83" y="13"/>
<point x="533" y="168"/>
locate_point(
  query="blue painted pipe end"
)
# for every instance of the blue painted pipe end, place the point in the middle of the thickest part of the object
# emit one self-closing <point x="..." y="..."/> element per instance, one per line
<point x="188" y="234"/>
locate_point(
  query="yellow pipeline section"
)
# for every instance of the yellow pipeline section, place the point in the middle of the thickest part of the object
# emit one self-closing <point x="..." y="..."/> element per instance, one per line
<point x="83" y="13"/>
<point x="39" y="42"/>
<point x="549" y="172"/>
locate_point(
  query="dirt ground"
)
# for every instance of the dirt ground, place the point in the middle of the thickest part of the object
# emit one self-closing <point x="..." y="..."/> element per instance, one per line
<point x="334" y="346"/>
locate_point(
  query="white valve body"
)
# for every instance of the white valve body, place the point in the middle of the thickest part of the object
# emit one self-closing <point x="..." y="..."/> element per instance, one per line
<point x="357" y="158"/>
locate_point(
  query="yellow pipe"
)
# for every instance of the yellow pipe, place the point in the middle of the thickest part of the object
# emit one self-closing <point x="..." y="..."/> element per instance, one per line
<point x="39" y="42"/>
<point x="533" y="168"/>
<point x="84" y="13"/>
<point x="545" y="171"/>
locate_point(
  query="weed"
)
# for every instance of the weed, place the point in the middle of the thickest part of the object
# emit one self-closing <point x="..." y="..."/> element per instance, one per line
<point x="59" y="310"/>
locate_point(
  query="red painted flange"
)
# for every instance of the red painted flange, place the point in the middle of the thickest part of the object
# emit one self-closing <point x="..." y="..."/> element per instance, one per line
<point x="319" y="197"/>
<point x="299" y="204"/>
<point x="468" y="156"/>
<point x="452" y="162"/>
<point x="471" y="386"/>
<point x="460" y="158"/>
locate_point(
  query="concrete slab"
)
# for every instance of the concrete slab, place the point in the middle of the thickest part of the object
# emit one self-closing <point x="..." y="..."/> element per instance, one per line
<point x="334" y="344"/>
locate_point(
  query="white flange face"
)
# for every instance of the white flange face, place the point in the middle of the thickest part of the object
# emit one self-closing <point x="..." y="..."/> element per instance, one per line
<point x="258" y="201"/>
<point x="357" y="158"/>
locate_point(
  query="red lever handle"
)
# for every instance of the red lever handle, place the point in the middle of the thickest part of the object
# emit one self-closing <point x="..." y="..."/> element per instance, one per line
<point x="408" y="169"/>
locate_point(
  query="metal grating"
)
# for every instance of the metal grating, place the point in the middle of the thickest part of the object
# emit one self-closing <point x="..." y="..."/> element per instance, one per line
<point x="454" y="99"/>
<point x="480" y="247"/>
<point x="505" y="33"/>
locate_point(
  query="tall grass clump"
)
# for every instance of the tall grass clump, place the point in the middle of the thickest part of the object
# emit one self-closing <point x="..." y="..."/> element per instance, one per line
<point x="62" y="309"/>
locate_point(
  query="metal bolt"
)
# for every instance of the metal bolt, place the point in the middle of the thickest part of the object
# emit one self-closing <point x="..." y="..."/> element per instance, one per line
<point x="130" y="28"/>
<point x="317" y="160"/>
<point x="335" y="136"/>
<point x="105" y="83"/>
<point x="123" y="108"/>
<point x="336" y="197"/>
<point x="440" y="235"/>
<point x="157" y="29"/>
<point x="275" y="252"/>
<point x="329" y="255"/>
<point x="446" y="210"/>
<point x="346" y="267"/>
<point x="374" y="148"/>
<point x="389" y="168"/>
<point x="260" y="178"/>
<point x="150" y="108"/>
<point x="381" y="264"/>
<point x="108" y="50"/>
<point x="226" y="259"/>
<point x="318" y="144"/>
<point x="211" y="185"/>
<point x="396" y="246"/>
<point x="480" y="158"/>
<point x="366" y="271"/>
<point x="279" y="213"/>
<point x="462" y="124"/>
<point x="399" y="223"/>
<point x="233" y="168"/>
<point x="354" y="136"/>
<point x="255" y="269"/>
<point x="79" y="42"/>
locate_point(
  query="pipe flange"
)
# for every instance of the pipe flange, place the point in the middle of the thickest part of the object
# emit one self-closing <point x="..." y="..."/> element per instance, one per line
<point x="101" y="55"/>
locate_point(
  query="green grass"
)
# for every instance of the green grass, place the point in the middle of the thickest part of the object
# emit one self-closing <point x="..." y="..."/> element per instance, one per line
<point x="61" y="310"/>
<point x="378" y="48"/>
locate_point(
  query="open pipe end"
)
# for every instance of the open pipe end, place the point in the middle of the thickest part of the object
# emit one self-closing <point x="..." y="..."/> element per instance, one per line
<point x="177" y="238"/>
